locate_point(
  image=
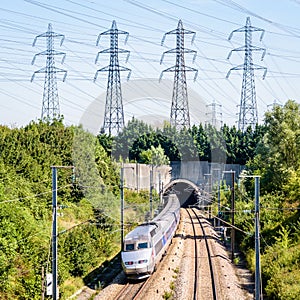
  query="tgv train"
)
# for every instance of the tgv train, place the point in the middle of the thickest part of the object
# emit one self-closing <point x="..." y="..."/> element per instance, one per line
<point x="144" y="246"/>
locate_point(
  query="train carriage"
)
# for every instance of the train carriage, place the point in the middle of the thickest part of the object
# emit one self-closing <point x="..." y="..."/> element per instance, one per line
<point x="145" y="245"/>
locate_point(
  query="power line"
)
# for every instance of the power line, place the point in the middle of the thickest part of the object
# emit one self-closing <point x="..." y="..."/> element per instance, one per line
<point x="234" y="5"/>
<point x="139" y="40"/>
<point x="34" y="196"/>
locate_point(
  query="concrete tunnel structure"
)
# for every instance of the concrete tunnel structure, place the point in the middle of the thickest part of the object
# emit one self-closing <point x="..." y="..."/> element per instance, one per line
<point x="187" y="192"/>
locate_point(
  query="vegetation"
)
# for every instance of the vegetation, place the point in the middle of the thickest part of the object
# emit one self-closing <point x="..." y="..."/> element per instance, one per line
<point x="277" y="161"/>
<point x="85" y="239"/>
<point x="88" y="214"/>
<point x="271" y="151"/>
<point x="139" y="142"/>
<point x="167" y="295"/>
<point x="89" y="205"/>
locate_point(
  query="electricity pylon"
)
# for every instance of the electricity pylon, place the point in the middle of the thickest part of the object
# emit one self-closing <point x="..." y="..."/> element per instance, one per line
<point x="50" y="107"/>
<point x="248" y="106"/>
<point x="214" y="113"/>
<point x="180" y="116"/>
<point x="114" y="114"/>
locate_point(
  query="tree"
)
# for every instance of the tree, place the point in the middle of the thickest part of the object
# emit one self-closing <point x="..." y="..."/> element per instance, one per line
<point x="155" y="139"/>
<point x="278" y="154"/>
<point x="154" y="156"/>
<point x="126" y="138"/>
<point x="26" y="157"/>
<point x="201" y="140"/>
<point x="106" y="141"/>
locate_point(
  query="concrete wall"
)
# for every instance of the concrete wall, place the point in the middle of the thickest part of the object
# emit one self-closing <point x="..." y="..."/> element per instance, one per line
<point x="202" y="173"/>
<point x="191" y="170"/>
<point x="137" y="176"/>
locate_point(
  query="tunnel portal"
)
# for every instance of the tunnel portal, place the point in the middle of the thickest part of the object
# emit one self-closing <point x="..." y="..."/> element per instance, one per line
<point x="187" y="192"/>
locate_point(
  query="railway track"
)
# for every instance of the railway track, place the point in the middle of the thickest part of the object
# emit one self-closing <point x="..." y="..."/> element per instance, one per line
<point x="204" y="283"/>
<point x="195" y="289"/>
<point x="187" y="271"/>
<point x="131" y="290"/>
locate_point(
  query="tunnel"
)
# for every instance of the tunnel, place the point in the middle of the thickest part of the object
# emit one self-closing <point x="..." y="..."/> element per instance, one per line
<point x="187" y="192"/>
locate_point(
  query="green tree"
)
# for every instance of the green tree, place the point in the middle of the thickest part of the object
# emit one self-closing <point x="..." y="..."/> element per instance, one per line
<point x="126" y="138"/>
<point x="155" y="139"/>
<point x="154" y="156"/>
<point x="26" y="157"/>
<point x="106" y="141"/>
<point x="278" y="154"/>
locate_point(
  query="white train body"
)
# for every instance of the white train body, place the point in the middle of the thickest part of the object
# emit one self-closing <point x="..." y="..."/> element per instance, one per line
<point x="144" y="246"/>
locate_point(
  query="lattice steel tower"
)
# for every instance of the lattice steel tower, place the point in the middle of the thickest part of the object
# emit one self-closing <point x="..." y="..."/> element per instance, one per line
<point x="50" y="107"/>
<point x="248" y="106"/>
<point x="214" y="121"/>
<point x="180" y="116"/>
<point x="114" y="115"/>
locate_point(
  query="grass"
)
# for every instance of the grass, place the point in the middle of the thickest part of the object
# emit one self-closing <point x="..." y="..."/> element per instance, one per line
<point x="236" y="260"/>
<point x="167" y="295"/>
<point x="71" y="286"/>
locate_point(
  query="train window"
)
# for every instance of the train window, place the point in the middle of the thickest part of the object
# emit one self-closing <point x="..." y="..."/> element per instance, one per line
<point x="142" y="245"/>
<point x="129" y="247"/>
<point x="153" y="232"/>
<point x="158" y="246"/>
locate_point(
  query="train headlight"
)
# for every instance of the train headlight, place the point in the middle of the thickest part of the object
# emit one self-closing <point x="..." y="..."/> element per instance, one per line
<point x="128" y="263"/>
<point x="142" y="261"/>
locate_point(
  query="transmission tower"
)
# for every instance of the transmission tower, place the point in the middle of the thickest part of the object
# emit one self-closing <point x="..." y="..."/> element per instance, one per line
<point x="50" y="107"/>
<point x="214" y="113"/>
<point x="180" y="116"/>
<point x="274" y="104"/>
<point x="248" y="105"/>
<point x="114" y="115"/>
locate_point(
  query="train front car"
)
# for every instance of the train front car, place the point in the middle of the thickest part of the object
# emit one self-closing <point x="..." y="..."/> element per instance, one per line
<point x="145" y="245"/>
<point x="137" y="255"/>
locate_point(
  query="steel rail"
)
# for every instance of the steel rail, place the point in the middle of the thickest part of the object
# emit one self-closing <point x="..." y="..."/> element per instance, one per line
<point x="195" y="296"/>
<point x="213" y="282"/>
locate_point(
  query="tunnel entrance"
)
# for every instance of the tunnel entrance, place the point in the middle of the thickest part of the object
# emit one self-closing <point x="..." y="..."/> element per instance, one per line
<point x="187" y="192"/>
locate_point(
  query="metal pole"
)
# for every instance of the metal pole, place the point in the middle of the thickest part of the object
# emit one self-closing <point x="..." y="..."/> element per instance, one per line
<point x="151" y="190"/>
<point x="43" y="284"/>
<point x="160" y="188"/>
<point x="54" y="234"/>
<point x="137" y="176"/>
<point x="257" y="242"/>
<point x="161" y="193"/>
<point x="122" y="206"/>
<point x="210" y="194"/>
<point x="219" y="198"/>
<point x="232" y="216"/>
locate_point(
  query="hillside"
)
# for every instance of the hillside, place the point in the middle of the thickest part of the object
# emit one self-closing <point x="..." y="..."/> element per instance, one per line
<point x="85" y="238"/>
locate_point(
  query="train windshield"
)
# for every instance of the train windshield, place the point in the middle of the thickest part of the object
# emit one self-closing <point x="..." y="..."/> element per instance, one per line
<point x="136" y="246"/>
<point x="143" y="245"/>
<point x="129" y="247"/>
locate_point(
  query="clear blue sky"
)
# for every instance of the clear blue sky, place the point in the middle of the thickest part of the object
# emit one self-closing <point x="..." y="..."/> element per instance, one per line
<point x="146" y="21"/>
